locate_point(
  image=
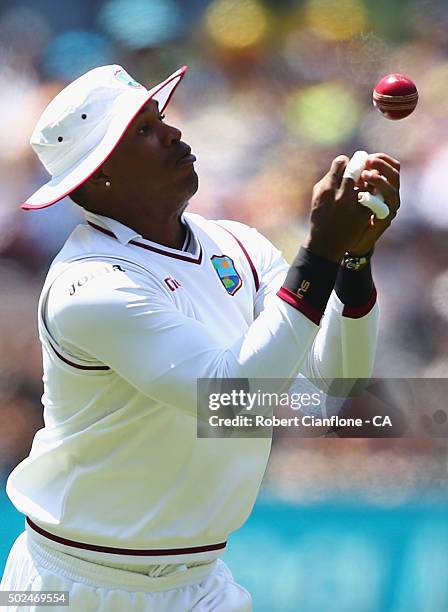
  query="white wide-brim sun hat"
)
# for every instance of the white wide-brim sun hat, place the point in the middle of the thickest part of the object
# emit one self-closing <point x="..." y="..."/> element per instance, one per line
<point x="83" y="124"/>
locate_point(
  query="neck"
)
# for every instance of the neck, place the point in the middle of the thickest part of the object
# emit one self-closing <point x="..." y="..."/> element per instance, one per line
<point x="167" y="230"/>
<point x="170" y="233"/>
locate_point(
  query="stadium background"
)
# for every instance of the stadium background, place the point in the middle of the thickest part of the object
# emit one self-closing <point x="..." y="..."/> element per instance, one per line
<point x="275" y="90"/>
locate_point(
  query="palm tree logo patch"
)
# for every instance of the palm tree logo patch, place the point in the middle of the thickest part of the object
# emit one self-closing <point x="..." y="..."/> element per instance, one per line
<point x="225" y="269"/>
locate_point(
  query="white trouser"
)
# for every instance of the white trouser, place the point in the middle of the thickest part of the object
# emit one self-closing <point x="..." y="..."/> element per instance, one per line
<point x="97" y="588"/>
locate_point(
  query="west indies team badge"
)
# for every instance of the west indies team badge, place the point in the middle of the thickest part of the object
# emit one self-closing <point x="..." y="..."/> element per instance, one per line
<point x="225" y="268"/>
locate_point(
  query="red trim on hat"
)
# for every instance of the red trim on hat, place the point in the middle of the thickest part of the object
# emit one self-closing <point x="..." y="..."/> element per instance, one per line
<point x="139" y="552"/>
<point x="179" y="76"/>
<point x="197" y="260"/>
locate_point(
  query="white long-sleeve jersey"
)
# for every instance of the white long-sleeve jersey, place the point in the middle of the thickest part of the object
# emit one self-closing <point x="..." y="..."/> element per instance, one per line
<point x="127" y="327"/>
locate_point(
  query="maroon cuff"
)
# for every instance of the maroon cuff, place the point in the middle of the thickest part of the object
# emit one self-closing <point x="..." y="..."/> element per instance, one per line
<point x="288" y="296"/>
<point x="357" y="312"/>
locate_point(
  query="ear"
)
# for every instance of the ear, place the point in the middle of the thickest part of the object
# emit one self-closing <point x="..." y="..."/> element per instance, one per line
<point x="99" y="177"/>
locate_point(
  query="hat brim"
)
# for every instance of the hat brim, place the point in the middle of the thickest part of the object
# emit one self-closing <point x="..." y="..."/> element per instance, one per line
<point x="61" y="186"/>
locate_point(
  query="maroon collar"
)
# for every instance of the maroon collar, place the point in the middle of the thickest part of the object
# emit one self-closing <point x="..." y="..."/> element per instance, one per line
<point x="159" y="250"/>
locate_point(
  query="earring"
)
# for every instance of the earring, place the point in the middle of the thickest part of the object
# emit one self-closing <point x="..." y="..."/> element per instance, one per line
<point x="108" y="184"/>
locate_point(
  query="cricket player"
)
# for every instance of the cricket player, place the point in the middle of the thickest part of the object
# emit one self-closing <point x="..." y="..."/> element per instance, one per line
<point x="126" y="509"/>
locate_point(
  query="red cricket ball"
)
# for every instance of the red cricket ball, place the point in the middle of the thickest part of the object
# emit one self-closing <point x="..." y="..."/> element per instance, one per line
<point x="395" y="96"/>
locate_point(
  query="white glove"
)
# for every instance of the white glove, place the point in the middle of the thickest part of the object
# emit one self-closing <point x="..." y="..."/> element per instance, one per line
<point x="375" y="202"/>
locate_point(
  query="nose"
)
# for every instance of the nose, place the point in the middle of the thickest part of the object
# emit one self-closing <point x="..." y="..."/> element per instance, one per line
<point x="171" y="135"/>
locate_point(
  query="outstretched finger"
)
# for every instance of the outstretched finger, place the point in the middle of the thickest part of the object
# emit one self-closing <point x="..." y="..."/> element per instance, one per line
<point x="348" y="185"/>
<point x="336" y="172"/>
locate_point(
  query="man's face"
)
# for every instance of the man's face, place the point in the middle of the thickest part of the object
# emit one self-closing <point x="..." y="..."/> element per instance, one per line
<point x="151" y="160"/>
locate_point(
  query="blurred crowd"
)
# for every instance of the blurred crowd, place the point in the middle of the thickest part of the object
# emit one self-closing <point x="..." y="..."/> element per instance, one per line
<point x="276" y="89"/>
